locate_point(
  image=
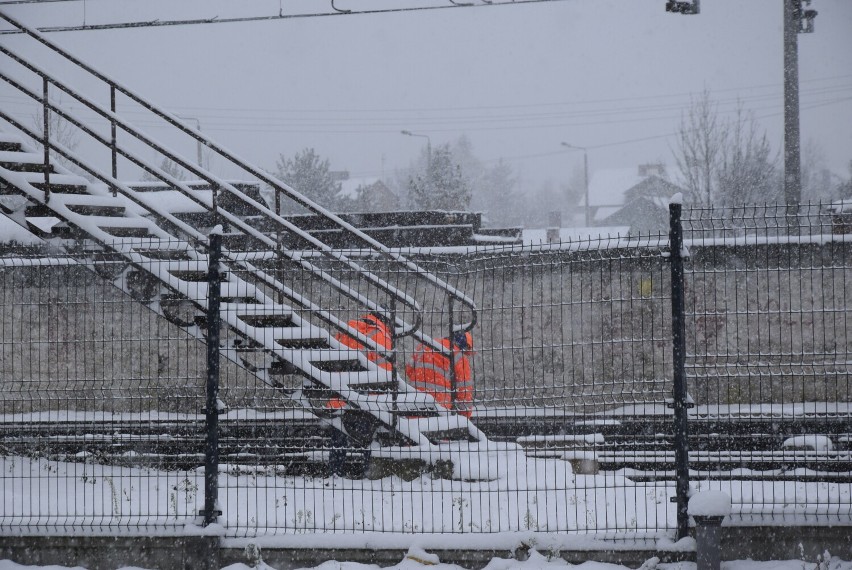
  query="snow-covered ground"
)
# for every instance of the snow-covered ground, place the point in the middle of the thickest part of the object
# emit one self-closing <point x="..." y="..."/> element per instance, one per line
<point x="417" y="558"/>
<point x="524" y="495"/>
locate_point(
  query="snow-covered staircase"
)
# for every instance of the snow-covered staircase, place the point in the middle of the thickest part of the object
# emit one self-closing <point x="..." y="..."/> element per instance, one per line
<point x="167" y="271"/>
<point x="140" y="245"/>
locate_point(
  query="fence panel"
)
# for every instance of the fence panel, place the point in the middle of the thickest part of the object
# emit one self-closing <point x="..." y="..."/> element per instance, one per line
<point x="100" y="414"/>
<point x="572" y="345"/>
<point x="103" y="399"/>
<point x="768" y="305"/>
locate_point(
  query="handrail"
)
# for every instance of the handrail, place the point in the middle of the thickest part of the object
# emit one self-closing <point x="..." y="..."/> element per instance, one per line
<point x="278" y="185"/>
<point x="196" y="236"/>
<point x="205" y="175"/>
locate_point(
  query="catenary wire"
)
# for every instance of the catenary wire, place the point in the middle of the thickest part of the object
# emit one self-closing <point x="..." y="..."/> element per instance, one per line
<point x="243" y="19"/>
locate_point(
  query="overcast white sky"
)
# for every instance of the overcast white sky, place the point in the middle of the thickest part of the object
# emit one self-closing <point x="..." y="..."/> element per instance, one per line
<point x="517" y="79"/>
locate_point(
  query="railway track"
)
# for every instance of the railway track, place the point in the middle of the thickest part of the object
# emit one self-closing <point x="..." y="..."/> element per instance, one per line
<point x="297" y="444"/>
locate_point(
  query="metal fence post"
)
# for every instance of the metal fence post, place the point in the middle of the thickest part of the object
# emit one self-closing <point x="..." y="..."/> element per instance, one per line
<point x="680" y="398"/>
<point x="211" y="451"/>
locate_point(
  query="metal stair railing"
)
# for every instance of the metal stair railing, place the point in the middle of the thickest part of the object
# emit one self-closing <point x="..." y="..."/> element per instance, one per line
<point x="195" y="236"/>
<point x="167" y="220"/>
<point x="366" y="402"/>
<point x="454" y="296"/>
<point x="190" y="233"/>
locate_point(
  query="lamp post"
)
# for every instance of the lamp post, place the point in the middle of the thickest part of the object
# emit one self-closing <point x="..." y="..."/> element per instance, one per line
<point x="428" y="149"/>
<point x="198" y="142"/>
<point x="585" y="178"/>
<point x="428" y="158"/>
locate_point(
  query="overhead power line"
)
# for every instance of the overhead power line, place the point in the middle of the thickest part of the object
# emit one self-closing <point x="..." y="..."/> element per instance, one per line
<point x="356" y="121"/>
<point x="4" y="2"/>
<point x="280" y="16"/>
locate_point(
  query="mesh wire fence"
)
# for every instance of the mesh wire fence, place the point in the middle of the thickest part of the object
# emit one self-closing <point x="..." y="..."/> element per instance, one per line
<point x="99" y="418"/>
<point x="568" y="337"/>
<point x="104" y="389"/>
<point x="768" y="358"/>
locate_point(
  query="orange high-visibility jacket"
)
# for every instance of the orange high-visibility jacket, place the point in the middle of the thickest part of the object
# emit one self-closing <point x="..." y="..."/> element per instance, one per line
<point x="429" y="372"/>
<point x="377" y="331"/>
<point x="373" y="328"/>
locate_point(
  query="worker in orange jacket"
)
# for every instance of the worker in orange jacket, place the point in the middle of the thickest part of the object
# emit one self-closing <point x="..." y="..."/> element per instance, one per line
<point x="429" y="372"/>
<point x="375" y="327"/>
<point x="361" y="426"/>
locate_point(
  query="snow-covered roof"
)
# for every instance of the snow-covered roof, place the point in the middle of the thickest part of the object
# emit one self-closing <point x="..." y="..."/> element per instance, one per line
<point x="603" y="213"/>
<point x="607" y="187"/>
<point x="539" y="235"/>
<point x="349" y="187"/>
<point x="840" y="206"/>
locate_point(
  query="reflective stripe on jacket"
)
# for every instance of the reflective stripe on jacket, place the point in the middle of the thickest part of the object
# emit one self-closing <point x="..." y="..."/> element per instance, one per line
<point x="429" y="372"/>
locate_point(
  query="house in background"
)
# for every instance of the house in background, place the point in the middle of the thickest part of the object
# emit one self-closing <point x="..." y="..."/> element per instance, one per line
<point x="366" y="195"/>
<point x="637" y="198"/>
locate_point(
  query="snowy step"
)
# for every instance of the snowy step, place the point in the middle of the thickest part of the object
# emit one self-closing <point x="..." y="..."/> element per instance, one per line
<point x="30" y="162"/>
<point x="123" y="231"/>
<point x="57" y="181"/>
<point x="328" y="359"/>
<point x="289" y="337"/>
<point x="22" y="157"/>
<point x="60" y="182"/>
<point x="99" y="211"/>
<point x="10" y="143"/>
<point x="262" y="319"/>
<point x="58" y="178"/>
<point x="90" y="198"/>
<point x="93" y="205"/>
<point x="27" y="167"/>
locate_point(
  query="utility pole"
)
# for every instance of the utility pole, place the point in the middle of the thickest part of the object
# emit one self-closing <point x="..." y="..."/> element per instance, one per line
<point x="792" y="154"/>
<point x="796" y="21"/>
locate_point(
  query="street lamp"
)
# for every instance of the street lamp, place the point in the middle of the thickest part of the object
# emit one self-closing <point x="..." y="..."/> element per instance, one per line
<point x="585" y="178"/>
<point x="428" y="158"/>
<point x="198" y="127"/>
<point x="428" y="148"/>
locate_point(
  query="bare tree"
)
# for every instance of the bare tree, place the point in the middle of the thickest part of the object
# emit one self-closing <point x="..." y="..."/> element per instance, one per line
<point x="60" y="131"/>
<point x="168" y="166"/>
<point x="819" y="184"/>
<point x="725" y="162"/>
<point x="748" y="172"/>
<point x="700" y="140"/>
<point x="845" y="189"/>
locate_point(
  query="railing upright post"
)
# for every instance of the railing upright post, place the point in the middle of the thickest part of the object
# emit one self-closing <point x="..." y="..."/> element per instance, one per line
<point x="46" y="141"/>
<point x="680" y="398"/>
<point x="452" y="356"/>
<point x="211" y="452"/>
<point x="392" y="358"/>
<point x="113" y="140"/>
